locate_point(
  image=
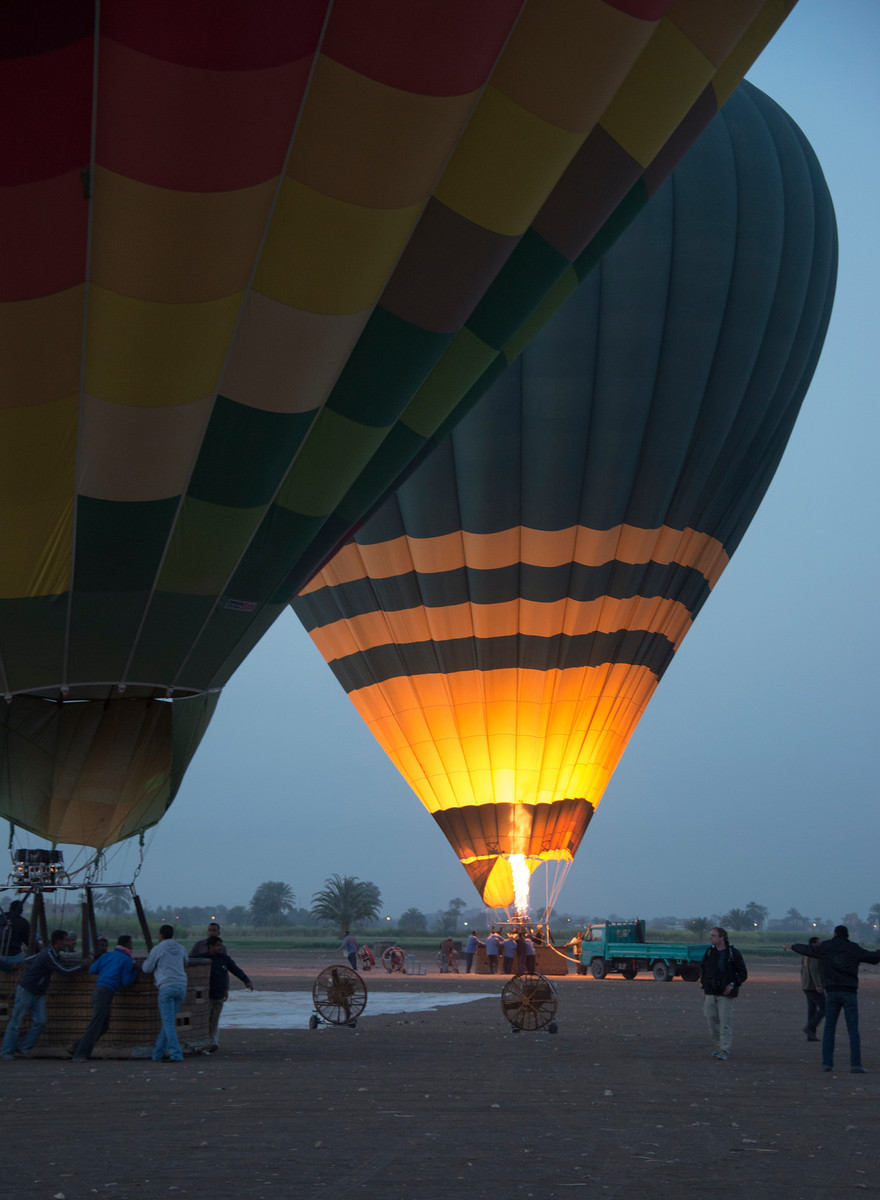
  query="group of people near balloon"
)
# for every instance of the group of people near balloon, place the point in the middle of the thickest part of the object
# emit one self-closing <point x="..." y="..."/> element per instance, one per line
<point x="514" y="950"/>
<point x="115" y="970"/>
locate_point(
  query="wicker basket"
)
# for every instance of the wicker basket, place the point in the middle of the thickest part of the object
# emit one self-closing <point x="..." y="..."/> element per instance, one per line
<point x="134" y="1020"/>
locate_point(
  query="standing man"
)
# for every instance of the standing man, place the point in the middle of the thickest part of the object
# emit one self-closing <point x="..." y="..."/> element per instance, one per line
<point x="200" y="949"/>
<point x="531" y="955"/>
<point x="448" y="957"/>
<point x="576" y="944"/>
<point x="493" y="949"/>
<point x="520" y="953"/>
<point x="349" y="948"/>
<point x="811" y="982"/>
<point x="115" y="969"/>
<point x="15" y="934"/>
<point x="218" y="986"/>
<point x="166" y="962"/>
<point x="30" y="996"/>
<point x="509" y="953"/>
<point x="470" y="950"/>
<point x="839" y="960"/>
<point x="722" y="974"/>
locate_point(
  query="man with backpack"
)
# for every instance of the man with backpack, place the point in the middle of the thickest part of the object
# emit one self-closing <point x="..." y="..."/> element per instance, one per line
<point x="722" y="974"/>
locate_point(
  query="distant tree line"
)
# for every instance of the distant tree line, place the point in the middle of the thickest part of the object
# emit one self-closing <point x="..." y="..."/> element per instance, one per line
<point x="348" y="903"/>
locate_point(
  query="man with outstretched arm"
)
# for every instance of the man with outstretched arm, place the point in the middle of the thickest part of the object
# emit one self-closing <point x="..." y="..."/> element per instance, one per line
<point x="30" y="996"/>
<point x="839" y="960"/>
<point x="218" y="985"/>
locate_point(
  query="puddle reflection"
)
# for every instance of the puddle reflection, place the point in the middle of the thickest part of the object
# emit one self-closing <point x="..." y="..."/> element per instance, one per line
<point x="284" y="1010"/>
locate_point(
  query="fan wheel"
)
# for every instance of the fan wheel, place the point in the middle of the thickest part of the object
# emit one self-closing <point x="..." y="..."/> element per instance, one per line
<point x="340" y="995"/>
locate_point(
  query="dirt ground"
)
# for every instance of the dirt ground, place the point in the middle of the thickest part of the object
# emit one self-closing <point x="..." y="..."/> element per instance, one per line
<point x="625" y="1100"/>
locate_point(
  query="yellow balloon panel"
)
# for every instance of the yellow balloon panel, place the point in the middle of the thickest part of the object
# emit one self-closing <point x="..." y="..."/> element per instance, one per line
<point x="507" y="736"/>
<point x="30" y="376"/>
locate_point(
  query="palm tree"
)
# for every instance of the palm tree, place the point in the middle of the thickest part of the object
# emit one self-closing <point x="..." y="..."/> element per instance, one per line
<point x="270" y="901"/>
<point x="737" y="918"/>
<point x="874" y="916"/>
<point x="756" y="914"/>
<point x="452" y="916"/>
<point x="413" y="920"/>
<point x="344" y="901"/>
<point x="698" y="926"/>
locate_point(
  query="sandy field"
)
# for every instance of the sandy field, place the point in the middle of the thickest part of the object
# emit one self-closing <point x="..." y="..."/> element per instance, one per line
<point x="625" y="1101"/>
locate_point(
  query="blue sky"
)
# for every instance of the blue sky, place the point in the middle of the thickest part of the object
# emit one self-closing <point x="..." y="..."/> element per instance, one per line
<point x="752" y="775"/>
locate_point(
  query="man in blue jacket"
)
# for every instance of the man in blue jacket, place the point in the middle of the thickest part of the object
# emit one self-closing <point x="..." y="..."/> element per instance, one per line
<point x="470" y="950"/>
<point x="115" y="970"/>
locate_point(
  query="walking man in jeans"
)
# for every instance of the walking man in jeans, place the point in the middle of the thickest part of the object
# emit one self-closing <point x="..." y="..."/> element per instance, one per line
<point x="167" y="962"/>
<point x="839" y="960"/>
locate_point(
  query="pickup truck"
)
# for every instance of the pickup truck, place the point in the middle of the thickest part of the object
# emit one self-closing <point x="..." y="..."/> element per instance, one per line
<point x="619" y="947"/>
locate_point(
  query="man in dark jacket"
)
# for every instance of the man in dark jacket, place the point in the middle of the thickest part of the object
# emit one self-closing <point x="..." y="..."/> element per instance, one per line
<point x="722" y="973"/>
<point x="839" y="960"/>
<point x="30" y="996"/>
<point x="115" y="969"/>
<point x="15" y="934"/>
<point x="218" y="985"/>
<point x="200" y="949"/>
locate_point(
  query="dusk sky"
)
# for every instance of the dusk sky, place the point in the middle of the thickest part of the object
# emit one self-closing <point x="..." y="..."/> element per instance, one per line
<point x="752" y="775"/>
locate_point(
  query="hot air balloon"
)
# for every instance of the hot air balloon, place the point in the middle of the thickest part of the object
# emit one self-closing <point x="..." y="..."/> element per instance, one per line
<point x="503" y="620"/>
<point x="237" y="241"/>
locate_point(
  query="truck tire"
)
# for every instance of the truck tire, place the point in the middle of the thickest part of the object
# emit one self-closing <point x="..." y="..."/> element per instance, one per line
<point x="662" y="972"/>
<point x="599" y="968"/>
<point x="690" y="972"/>
<point x="630" y="971"/>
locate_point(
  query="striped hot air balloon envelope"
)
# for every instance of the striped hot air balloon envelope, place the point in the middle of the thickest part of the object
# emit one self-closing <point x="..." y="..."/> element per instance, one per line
<point x="503" y="620"/>
<point x="237" y="239"/>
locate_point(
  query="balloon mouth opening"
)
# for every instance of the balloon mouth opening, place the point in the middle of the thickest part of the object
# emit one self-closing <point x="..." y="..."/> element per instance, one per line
<point x="504" y="882"/>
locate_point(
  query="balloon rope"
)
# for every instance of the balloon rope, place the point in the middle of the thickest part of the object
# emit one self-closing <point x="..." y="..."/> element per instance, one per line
<point x="137" y="869"/>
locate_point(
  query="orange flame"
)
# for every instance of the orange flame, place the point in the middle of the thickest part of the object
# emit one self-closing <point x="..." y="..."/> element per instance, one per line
<point x="521" y="880"/>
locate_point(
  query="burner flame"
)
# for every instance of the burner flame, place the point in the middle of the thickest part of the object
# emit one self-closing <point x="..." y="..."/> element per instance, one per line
<point x="522" y="877"/>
